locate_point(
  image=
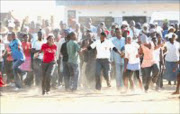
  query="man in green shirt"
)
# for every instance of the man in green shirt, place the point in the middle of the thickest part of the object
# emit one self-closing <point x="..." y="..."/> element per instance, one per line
<point x="73" y="50"/>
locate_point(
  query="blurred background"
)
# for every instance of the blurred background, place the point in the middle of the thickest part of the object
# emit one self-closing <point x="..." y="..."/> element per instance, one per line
<point x="108" y="11"/>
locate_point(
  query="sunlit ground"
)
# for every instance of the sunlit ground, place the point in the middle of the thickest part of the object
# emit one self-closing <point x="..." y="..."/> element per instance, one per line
<point x="90" y="101"/>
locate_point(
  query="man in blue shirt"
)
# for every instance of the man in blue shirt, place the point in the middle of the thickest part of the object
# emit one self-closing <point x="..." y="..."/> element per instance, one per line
<point x="18" y="58"/>
<point x="119" y="43"/>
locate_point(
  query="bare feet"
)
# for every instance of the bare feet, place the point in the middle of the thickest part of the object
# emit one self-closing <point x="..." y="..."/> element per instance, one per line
<point x="176" y="92"/>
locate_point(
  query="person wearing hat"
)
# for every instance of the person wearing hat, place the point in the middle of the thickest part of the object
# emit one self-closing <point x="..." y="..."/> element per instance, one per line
<point x="48" y="64"/>
<point x="172" y="48"/>
<point x="132" y="63"/>
<point x="171" y="30"/>
<point x="37" y="60"/>
<point x="144" y="34"/>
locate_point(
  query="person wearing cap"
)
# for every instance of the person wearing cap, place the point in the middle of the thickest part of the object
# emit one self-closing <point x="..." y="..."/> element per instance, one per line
<point x="48" y="64"/>
<point x="37" y="61"/>
<point x="118" y="61"/>
<point x="172" y="48"/>
<point x="103" y="47"/>
<point x="18" y="59"/>
<point x="132" y="63"/>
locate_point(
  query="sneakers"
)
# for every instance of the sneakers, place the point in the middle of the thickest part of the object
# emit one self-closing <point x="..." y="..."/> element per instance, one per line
<point x="24" y="76"/>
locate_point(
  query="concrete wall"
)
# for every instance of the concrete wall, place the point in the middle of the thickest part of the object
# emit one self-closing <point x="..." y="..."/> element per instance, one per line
<point x="121" y="10"/>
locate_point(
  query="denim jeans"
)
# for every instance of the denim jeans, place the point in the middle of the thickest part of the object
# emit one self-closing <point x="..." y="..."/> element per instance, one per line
<point x="74" y="74"/>
<point x="119" y="75"/>
<point x="47" y="73"/>
<point x="154" y="69"/>
<point x="16" y="71"/>
<point x="104" y="65"/>
<point x="66" y="75"/>
<point x="37" y="71"/>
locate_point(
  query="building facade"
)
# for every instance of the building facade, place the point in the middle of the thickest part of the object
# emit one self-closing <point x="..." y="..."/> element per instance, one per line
<point x="115" y="11"/>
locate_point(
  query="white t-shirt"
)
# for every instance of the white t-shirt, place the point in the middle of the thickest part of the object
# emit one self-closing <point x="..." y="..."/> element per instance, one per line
<point x="157" y="55"/>
<point x="103" y="49"/>
<point x="131" y="51"/>
<point x="172" y="51"/>
<point x="37" y="46"/>
<point x="2" y="48"/>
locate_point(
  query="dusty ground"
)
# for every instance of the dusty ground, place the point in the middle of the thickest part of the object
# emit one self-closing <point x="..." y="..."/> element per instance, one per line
<point x="90" y="101"/>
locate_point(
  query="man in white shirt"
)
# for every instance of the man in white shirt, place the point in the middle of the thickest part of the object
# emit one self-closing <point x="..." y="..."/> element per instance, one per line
<point x="103" y="47"/>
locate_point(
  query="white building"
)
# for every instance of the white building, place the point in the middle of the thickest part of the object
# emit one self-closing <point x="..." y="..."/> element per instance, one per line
<point x="115" y="11"/>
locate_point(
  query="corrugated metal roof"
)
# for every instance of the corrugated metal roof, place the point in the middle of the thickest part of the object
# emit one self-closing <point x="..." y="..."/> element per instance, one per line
<point x="103" y="2"/>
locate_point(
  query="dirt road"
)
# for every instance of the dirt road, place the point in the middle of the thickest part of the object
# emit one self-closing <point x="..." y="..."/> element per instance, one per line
<point x="90" y="101"/>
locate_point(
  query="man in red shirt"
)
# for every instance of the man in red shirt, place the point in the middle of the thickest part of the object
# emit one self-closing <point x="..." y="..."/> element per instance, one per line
<point x="48" y="65"/>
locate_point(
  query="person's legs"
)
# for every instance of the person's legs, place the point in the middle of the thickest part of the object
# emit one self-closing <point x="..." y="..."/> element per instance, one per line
<point x="16" y="69"/>
<point x="119" y="75"/>
<point x="66" y="74"/>
<point x="54" y="78"/>
<point x="128" y="76"/>
<point x="60" y="73"/>
<point x="155" y="71"/>
<point x="147" y="77"/>
<point x="49" y="74"/>
<point x="107" y="71"/>
<point x="178" y="84"/>
<point x="76" y="76"/>
<point x="44" y="70"/>
<point x="137" y="74"/>
<point x="98" y="74"/>
<point x="118" y="79"/>
<point x="38" y="71"/>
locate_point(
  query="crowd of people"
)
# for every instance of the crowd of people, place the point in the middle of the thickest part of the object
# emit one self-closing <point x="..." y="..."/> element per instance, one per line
<point x="75" y="55"/>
